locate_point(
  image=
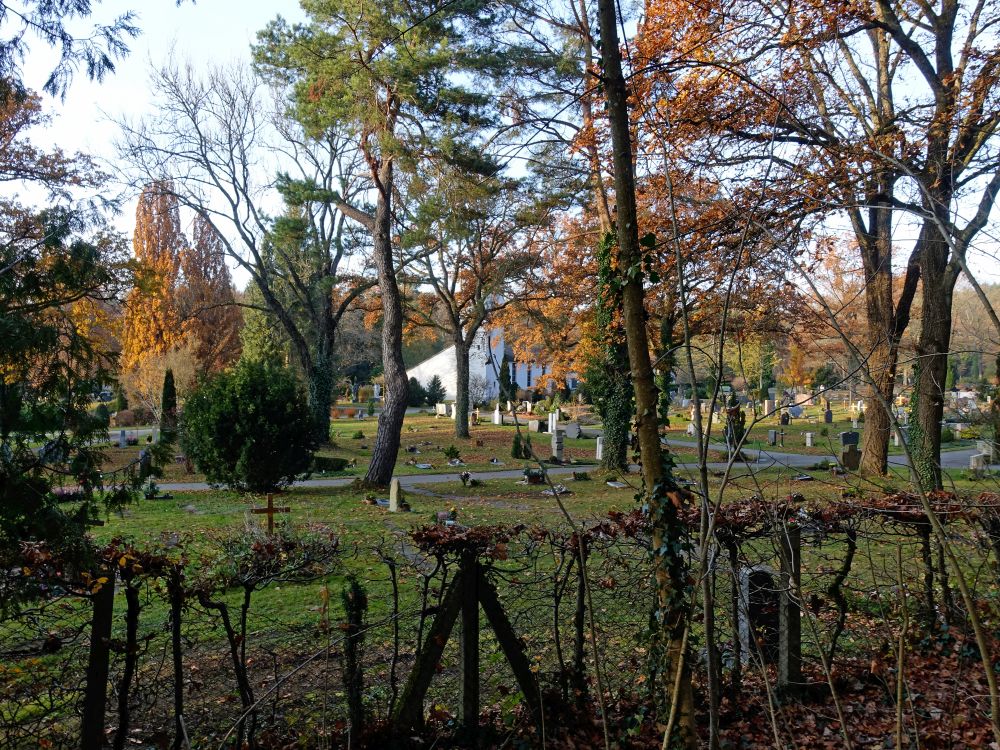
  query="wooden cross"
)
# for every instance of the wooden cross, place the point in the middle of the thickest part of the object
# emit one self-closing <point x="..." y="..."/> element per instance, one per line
<point x="269" y="511"/>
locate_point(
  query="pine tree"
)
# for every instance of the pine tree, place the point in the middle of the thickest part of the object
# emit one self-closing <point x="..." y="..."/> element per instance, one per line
<point x="435" y="391"/>
<point x="506" y="386"/>
<point x="168" y="402"/>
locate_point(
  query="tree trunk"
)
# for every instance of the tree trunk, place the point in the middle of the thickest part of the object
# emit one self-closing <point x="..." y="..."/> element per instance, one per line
<point x="390" y="421"/>
<point x="670" y="564"/>
<point x="461" y="388"/>
<point x="882" y="361"/>
<point x="932" y="349"/>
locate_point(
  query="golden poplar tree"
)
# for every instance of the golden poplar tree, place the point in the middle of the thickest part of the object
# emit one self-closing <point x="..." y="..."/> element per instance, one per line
<point x="150" y="323"/>
<point x="205" y="300"/>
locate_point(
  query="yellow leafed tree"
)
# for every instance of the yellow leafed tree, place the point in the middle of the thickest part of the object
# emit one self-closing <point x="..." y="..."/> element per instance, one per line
<point x="150" y="323"/>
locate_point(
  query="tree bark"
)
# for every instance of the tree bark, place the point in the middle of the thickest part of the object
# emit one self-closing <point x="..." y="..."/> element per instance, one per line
<point x="670" y="565"/>
<point x="933" y="346"/>
<point x="461" y="387"/>
<point x="390" y="421"/>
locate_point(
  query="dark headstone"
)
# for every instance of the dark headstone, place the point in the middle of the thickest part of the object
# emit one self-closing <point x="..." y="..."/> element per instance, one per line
<point x="850" y="438"/>
<point x="760" y="617"/>
<point x="828" y="416"/>
<point x="772" y="437"/>
<point x="785" y="419"/>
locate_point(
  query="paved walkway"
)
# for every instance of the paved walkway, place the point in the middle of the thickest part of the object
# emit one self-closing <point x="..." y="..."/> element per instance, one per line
<point x="767" y="459"/>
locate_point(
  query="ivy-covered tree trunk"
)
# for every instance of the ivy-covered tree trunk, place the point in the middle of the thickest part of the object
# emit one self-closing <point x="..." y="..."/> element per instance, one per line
<point x="461" y="388"/>
<point x="668" y="542"/>
<point x="321" y="396"/>
<point x="611" y="385"/>
<point x="390" y="421"/>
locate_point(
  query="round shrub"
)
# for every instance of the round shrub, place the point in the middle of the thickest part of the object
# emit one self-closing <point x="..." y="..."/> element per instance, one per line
<point x="249" y="428"/>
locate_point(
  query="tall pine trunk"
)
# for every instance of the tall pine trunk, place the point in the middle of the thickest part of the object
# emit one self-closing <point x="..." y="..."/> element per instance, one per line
<point x="390" y="421"/>
<point x="670" y="567"/>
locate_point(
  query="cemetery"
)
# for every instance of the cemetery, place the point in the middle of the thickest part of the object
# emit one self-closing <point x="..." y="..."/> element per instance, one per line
<point x="499" y="376"/>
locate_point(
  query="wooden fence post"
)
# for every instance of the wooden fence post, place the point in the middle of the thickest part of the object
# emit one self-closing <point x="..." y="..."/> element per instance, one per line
<point x="96" y="692"/>
<point x="790" y="614"/>
<point x="469" y="647"/>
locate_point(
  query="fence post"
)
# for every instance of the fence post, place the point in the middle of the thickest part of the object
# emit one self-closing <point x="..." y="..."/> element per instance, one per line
<point x="469" y="647"/>
<point x="96" y="693"/>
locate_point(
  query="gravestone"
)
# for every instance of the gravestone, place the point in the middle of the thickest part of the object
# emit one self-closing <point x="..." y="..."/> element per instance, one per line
<point x="828" y="416"/>
<point x="553" y="424"/>
<point x="573" y="430"/>
<point x="534" y="425"/>
<point x="772" y="437"/>
<point x="691" y="430"/>
<point x="978" y="463"/>
<point x="394" y="496"/>
<point x="527" y="406"/>
<point x="785" y="419"/>
<point x="809" y="439"/>
<point x="851" y="457"/>
<point x="599" y="450"/>
<point x="854" y="424"/>
<point x="557" y="445"/>
<point x="760" y="617"/>
<point x="987" y="447"/>
<point x="768" y="406"/>
<point x="452" y="411"/>
<point x="497" y="416"/>
<point x="796" y="411"/>
<point x="849" y="438"/>
<point x="359" y="414"/>
<point x="440" y="410"/>
<point x="122" y="439"/>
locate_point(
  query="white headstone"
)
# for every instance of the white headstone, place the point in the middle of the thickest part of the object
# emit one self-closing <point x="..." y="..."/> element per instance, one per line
<point x="440" y="410"/>
<point x="599" y="451"/>
<point x="854" y="424"/>
<point x="394" y="495"/>
<point x="809" y="439"/>
<point x="895" y="439"/>
<point x="692" y="431"/>
<point x="977" y="462"/>
<point x="497" y="416"/>
<point x="553" y="422"/>
<point x="768" y="406"/>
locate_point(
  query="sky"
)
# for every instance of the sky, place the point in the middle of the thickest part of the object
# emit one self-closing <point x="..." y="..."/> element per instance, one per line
<point x="208" y="33"/>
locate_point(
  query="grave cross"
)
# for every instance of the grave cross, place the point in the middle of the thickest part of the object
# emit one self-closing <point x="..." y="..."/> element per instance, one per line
<point x="269" y="511"/>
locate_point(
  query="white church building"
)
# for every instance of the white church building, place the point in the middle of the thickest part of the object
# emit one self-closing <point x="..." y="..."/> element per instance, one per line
<point x="485" y="359"/>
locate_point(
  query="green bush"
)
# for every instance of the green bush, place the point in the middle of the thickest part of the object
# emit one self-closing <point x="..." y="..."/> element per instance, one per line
<point x="515" y="448"/>
<point x="103" y="415"/>
<point x="451" y="452"/>
<point x="359" y="435"/>
<point x="328" y="463"/>
<point x="249" y="429"/>
<point x="947" y="435"/>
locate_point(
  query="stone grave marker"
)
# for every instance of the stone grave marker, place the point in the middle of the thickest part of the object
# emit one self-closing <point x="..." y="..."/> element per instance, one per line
<point x="768" y="406"/>
<point x="785" y="419"/>
<point x="497" y="416"/>
<point x="772" y="437"/>
<point x="534" y="425"/>
<point x="122" y="439"/>
<point x="440" y="410"/>
<point x="760" y="617"/>
<point x="599" y="450"/>
<point x="978" y="463"/>
<point x="553" y="422"/>
<point x="395" y="493"/>
<point x="557" y="444"/>
<point x="573" y="430"/>
<point x="809" y="439"/>
<point x="796" y="411"/>
<point x="987" y="447"/>
<point x="828" y="416"/>
<point x="851" y="457"/>
<point x="691" y="430"/>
